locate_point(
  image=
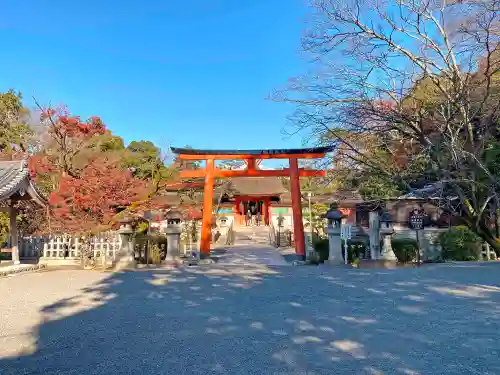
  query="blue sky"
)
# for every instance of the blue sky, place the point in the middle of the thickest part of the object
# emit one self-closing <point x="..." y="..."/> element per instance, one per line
<point x="190" y="72"/>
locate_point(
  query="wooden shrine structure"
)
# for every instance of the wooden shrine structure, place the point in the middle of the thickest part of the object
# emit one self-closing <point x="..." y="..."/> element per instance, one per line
<point x="17" y="193"/>
<point x="252" y="159"/>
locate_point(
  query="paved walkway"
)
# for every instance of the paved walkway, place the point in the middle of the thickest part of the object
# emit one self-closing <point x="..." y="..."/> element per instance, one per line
<point x="252" y="255"/>
<point x="252" y="248"/>
<point x="216" y="320"/>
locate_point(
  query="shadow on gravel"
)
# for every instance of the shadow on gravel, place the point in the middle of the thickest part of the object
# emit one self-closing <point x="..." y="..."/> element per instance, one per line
<point x="256" y="320"/>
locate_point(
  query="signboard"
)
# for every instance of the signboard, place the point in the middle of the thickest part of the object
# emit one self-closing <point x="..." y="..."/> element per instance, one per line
<point x="416" y="222"/>
<point x="280" y="210"/>
<point x="225" y="211"/>
<point x="416" y="219"/>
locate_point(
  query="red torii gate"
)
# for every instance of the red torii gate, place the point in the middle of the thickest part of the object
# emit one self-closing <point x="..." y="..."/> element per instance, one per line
<point x="252" y="159"/>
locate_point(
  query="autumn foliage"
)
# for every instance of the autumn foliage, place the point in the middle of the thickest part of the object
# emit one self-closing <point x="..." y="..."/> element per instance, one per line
<point x="87" y="187"/>
<point x="69" y="139"/>
<point x="91" y="201"/>
<point x="64" y="124"/>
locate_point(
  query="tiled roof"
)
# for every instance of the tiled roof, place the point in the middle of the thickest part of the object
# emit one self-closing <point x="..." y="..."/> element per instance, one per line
<point x="12" y="175"/>
<point x="257" y="186"/>
<point x="15" y="178"/>
<point x="309" y="150"/>
<point x="342" y="197"/>
<point x="436" y="191"/>
<point x="179" y="185"/>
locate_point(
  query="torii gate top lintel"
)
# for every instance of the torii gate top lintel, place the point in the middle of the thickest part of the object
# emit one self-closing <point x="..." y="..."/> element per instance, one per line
<point x="251" y="157"/>
<point x="299" y="153"/>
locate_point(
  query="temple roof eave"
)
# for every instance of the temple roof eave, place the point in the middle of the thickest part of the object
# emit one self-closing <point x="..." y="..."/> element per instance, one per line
<point x="16" y="184"/>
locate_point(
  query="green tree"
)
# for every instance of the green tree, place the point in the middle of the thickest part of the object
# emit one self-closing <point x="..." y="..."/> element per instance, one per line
<point x="375" y="187"/>
<point x="144" y="158"/>
<point x="409" y="94"/>
<point x="316" y="220"/>
<point x="146" y="162"/>
<point x="107" y="142"/>
<point x="15" y="132"/>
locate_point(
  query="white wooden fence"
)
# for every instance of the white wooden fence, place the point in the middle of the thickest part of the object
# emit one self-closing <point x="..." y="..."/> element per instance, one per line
<point x="64" y="246"/>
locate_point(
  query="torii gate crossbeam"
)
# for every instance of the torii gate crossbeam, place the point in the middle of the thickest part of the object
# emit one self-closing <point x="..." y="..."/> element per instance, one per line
<point x="251" y="157"/>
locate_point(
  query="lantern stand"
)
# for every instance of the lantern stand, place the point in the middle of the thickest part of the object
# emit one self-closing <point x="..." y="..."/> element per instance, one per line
<point x="334" y="216"/>
<point x="126" y="258"/>
<point x="386" y="231"/>
<point x="173" y="232"/>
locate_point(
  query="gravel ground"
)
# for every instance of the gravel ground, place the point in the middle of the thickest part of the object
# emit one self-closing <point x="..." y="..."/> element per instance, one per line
<point x="440" y="319"/>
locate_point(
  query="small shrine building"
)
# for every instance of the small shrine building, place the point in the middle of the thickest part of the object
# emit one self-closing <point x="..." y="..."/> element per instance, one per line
<point x="17" y="193"/>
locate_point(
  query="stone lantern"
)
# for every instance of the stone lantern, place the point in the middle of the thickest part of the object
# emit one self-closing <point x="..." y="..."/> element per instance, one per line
<point x="173" y="232"/>
<point x="126" y="255"/>
<point x="222" y="230"/>
<point x="223" y="220"/>
<point x="334" y="216"/>
<point x="280" y="221"/>
<point x="386" y="231"/>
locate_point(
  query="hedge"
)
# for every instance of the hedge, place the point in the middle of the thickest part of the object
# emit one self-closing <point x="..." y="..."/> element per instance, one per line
<point x="460" y="243"/>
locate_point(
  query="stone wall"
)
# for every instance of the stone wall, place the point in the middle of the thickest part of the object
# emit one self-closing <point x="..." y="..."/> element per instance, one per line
<point x="429" y="240"/>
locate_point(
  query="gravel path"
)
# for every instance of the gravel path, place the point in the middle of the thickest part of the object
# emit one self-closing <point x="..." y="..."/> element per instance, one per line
<point x="440" y="319"/>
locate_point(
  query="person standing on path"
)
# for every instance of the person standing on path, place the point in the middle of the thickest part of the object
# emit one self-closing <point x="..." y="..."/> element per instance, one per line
<point x="249" y="217"/>
<point x="259" y="218"/>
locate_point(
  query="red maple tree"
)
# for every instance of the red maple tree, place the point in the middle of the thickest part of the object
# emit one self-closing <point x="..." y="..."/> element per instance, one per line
<point x="85" y="193"/>
<point x="90" y="202"/>
<point x="68" y="137"/>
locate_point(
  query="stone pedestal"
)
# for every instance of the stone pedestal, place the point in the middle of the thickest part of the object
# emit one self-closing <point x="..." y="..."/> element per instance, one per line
<point x="173" y="233"/>
<point x="125" y="258"/>
<point x="374" y="227"/>
<point x="221" y="234"/>
<point x="310" y="254"/>
<point x="387" y="252"/>
<point x="335" y="246"/>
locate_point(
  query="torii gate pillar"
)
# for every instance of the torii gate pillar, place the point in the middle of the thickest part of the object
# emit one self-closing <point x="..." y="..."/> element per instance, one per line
<point x="298" y="224"/>
<point x="208" y="196"/>
<point x="251" y="157"/>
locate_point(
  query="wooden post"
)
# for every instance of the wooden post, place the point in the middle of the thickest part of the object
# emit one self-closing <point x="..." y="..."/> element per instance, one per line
<point x="265" y="208"/>
<point x="13" y="235"/>
<point x="298" y="225"/>
<point x="206" y="226"/>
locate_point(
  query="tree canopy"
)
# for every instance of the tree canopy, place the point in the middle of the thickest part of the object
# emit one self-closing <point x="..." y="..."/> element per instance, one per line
<point x="85" y="171"/>
<point x="15" y="132"/>
<point x="408" y="93"/>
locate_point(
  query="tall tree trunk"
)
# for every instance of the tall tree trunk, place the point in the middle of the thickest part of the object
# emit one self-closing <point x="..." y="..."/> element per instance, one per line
<point x="483" y="232"/>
